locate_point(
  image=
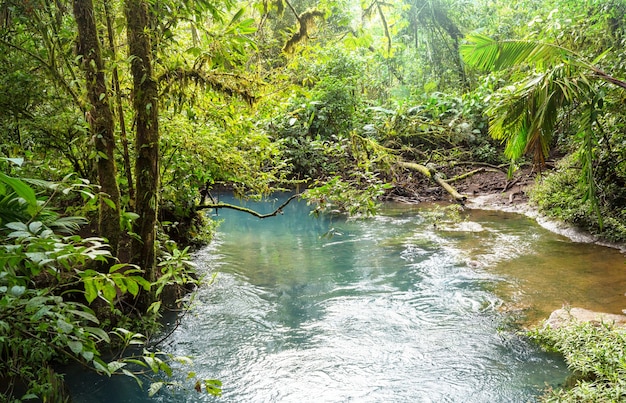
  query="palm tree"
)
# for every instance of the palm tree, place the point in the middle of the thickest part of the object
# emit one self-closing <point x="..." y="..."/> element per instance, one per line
<point x="525" y="114"/>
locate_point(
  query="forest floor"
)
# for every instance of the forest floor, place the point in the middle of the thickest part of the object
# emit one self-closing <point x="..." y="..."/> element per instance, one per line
<point x="486" y="185"/>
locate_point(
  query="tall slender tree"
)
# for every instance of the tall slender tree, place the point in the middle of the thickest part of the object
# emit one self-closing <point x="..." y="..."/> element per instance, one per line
<point x="100" y="118"/>
<point x="145" y="104"/>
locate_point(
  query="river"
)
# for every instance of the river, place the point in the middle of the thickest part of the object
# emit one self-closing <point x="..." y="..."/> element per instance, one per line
<point x="396" y="308"/>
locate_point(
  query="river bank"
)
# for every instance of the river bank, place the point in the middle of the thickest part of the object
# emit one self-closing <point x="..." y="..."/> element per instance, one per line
<point x="491" y="189"/>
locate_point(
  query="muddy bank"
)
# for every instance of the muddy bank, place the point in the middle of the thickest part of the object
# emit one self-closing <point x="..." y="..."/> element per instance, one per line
<point x="501" y="202"/>
<point x="491" y="189"/>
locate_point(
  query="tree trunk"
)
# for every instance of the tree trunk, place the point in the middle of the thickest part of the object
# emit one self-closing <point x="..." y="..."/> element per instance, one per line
<point x="146" y="137"/>
<point x="120" y="108"/>
<point x="101" y="122"/>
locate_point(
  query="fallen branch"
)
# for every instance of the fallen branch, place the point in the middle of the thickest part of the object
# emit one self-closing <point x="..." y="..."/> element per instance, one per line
<point x="220" y="205"/>
<point x="433" y="175"/>
<point x="466" y="175"/>
<point x="481" y="164"/>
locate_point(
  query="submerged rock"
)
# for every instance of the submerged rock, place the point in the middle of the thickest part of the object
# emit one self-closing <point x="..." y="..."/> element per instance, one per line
<point x="563" y="316"/>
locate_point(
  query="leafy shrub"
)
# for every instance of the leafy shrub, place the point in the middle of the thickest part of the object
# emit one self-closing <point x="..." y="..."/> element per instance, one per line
<point x="46" y="287"/>
<point x="595" y="352"/>
<point x="357" y="197"/>
<point x="562" y="195"/>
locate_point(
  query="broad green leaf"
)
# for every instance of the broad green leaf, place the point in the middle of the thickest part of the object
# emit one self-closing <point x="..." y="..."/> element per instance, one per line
<point x="75" y="346"/>
<point x="120" y="282"/>
<point x="35" y="226"/>
<point x="109" y="292"/>
<point x="17" y="290"/>
<point x="84" y="314"/>
<point x="21" y="189"/>
<point x="142" y="282"/>
<point x="98" y="332"/>
<point x="91" y="292"/>
<point x="213" y="386"/>
<point x="132" y="286"/>
<point x="88" y="355"/>
<point x="109" y="203"/>
<point x="16" y="161"/>
<point x="64" y="326"/>
<point x="17" y="226"/>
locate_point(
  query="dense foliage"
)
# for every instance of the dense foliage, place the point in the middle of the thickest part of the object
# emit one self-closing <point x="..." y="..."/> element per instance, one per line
<point x="131" y="113"/>
<point x="595" y="353"/>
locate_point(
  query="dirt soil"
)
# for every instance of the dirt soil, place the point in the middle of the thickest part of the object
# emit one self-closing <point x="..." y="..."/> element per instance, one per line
<point x="483" y="181"/>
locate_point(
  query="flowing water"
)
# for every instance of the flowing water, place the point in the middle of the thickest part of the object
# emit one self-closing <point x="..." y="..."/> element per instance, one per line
<point x="389" y="309"/>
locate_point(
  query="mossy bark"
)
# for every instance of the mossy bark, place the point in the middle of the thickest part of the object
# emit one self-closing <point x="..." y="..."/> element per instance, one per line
<point x="100" y="120"/>
<point x="145" y="104"/>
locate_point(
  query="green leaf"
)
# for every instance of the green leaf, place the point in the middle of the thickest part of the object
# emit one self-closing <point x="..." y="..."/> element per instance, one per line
<point x="75" y="346"/>
<point x="109" y="203"/>
<point x="35" y="226"/>
<point x="130" y="374"/>
<point x="21" y="188"/>
<point x="154" y="388"/>
<point x="152" y="363"/>
<point x="183" y="360"/>
<point x="101" y="366"/>
<point x="88" y="355"/>
<point x="64" y="326"/>
<point x="91" y="292"/>
<point x="154" y="307"/>
<point x="236" y="17"/>
<point x="17" y="226"/>
<point x="115" y="365"/>
<point x="17" y="290"/>
<point x="120" y="282"/>
<point x="16" y="161"/>
<point x="85" y="315"/>
<point x="213" y="386"/>
<point x="143" y="282"/>
<point x="100" y="333"/>
<point x="132" y="286"/>
<point x="109" y="292"/>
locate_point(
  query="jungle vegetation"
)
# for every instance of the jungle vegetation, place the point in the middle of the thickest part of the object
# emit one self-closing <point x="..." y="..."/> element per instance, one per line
<point x="119" y="117"/>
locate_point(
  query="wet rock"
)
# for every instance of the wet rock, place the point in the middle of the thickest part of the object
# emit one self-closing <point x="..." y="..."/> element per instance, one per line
<point x="563" y="316"/>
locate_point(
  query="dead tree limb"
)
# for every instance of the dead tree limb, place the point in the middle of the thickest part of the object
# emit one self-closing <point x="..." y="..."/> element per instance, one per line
<point x="220" y="205"/>
<point x="435" y="176"/>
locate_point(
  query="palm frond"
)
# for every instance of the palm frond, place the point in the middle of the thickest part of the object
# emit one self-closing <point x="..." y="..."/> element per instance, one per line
<point x="530" y="111"/>
<point x="586" y="154"/>
<point x="486" y="53"/>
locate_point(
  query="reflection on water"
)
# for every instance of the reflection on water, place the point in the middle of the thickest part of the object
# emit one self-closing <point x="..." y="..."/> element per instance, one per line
<point x="388" y="309"/>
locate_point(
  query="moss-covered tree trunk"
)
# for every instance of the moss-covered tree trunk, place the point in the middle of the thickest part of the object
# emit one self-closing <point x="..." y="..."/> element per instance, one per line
<point x="146" y="137"/>
<point x="100" y="120"/>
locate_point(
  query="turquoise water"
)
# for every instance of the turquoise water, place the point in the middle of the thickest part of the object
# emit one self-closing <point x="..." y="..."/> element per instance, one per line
<point x="389" y="309"/>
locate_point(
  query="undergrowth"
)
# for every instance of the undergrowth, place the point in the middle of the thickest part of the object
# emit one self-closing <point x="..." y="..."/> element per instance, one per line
<point x="595" y="353"/>
<point x="561" y="195"/>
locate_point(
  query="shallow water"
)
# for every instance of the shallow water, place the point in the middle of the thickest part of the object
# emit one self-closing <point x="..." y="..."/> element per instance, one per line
<point x="389" y="309"/>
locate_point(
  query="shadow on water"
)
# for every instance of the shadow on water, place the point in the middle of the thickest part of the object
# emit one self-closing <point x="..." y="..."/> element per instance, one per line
<point x="384" y="309"/>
